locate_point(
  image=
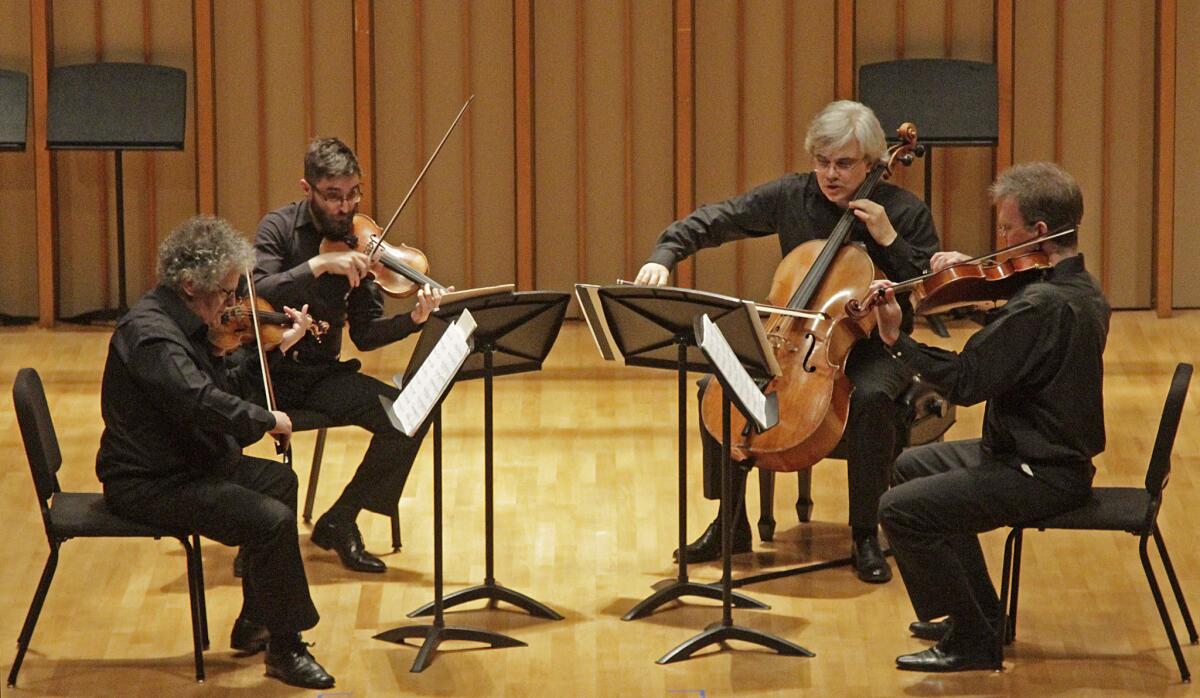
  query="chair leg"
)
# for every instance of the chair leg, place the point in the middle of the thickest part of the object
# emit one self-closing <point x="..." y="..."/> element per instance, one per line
<point x="35" y="610"/>
<point x="1005" y="582"/>
<point x="1010" y="632"/>
<point x="193" y="598"/>
<point x="804" y="502"/>
<point x="200" y="588"/>
<point x="1183" y="607"/>
<point x="766" y="504"/>
<point x="314" y="474"/>
<point x="396" y="543"/>
<point x="1162" y="609"/>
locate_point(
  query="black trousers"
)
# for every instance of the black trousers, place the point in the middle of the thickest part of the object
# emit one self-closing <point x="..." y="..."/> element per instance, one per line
<point x="879" y="380"/>
<point x="254" y="507"/>
<point x="350" y="397"/>
<point x="944" y="495"/>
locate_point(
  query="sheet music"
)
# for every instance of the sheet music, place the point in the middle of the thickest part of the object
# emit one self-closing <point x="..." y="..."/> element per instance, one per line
<point x="718" y="351"/>
<point x="410" y="410"/>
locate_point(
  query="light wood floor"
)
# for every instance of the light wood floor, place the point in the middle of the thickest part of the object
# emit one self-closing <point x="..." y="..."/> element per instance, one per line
<point x="585" y="514"/>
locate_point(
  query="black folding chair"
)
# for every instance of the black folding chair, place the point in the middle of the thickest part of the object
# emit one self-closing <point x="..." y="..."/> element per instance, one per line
<point x="1130" y="509"/>
<point x="69" y="515"/>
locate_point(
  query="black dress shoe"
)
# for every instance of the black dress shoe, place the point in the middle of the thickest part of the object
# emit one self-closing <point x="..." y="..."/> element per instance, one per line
<point x="869" y="562"/>
<point x="292" y="664"/>
<point x="347" y="541"/>
<point x="248" y="637"/>
<point x="708" y="546"/>
<point x="930" y="630"/>
<point x="954" y="654"/>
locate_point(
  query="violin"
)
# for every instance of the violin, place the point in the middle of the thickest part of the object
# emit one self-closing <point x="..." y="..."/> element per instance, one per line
<point x="811" y="347"/>
<point x="398" y="269"/>
<point x="237" y="326"/>
<point x="981" y="283"/>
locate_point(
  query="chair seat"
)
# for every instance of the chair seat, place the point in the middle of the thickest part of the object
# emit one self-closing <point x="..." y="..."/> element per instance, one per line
<point x="1110" y="509"/>
<point x="85" y="515"/>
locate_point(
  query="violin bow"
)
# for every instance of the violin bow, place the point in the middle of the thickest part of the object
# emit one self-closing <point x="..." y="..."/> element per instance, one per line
<point x="268" y="389"/>
<point x="424" y="169"/>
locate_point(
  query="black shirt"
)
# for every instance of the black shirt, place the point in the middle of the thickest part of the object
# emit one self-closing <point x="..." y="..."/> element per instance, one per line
<point x="794" y="208"/>
<point x="285" y="241"/>
<point x="169" y="406"/>
<point x="1039" y="364"/>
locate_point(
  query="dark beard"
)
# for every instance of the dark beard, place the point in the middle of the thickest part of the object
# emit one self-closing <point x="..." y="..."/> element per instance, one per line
<point x="331" y="228"/>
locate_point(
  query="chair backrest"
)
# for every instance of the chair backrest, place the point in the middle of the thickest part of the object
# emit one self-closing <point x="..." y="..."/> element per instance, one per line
<point x="1160" y="458"/>
<point x="37" y="431"/>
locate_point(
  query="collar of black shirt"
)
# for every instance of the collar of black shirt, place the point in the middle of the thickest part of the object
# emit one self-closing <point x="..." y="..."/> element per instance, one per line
<point x="191" y="324"/>
<point x="1065" y="267"/>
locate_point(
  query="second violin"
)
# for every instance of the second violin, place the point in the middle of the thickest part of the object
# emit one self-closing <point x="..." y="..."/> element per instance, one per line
<point x="398" y="269"/>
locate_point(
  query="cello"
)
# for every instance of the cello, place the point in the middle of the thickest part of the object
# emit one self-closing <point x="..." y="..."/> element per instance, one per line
<point x="820" y="277"/>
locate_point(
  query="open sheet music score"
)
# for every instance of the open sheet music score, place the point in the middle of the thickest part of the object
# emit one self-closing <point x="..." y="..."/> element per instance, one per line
<point x="726" y="363"/>
<point x="426" y="387"/>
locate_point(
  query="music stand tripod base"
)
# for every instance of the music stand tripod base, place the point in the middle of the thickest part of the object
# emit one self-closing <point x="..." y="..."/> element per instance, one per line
<point x="719" y="633"/>
<point x="434" y="634"/>
<point x="494" y="593"/>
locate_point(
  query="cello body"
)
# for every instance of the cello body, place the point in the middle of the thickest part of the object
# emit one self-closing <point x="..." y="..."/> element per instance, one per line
<point x="826" y="278"/>
<point x="813" y="390"/>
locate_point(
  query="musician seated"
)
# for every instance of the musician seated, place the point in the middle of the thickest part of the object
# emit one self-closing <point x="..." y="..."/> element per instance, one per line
<point x="845" y="141"/>
<point x="174" y="428"/>
<point x="1039" y="366"/>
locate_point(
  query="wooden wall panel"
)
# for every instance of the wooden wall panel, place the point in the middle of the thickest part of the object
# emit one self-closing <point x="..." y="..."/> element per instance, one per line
<point x="1035" y="81"/>
<point x="813" y="57"/>
<point x="237" y="99"/>
<point x="603" y="229"/>
<point x="1081" y="121"/>
<point x="492" y="129"/>
<point x="716" y="131"/>
<point x="1186" y="247"/>
<point x="653" y="131"/>
<point x="281" y="108"/>
<point x="962" y="207"/>
<point x="555" y="158"/>
<point x="1129" y="192"/>
<point x="18" y="266"/>
<point x="333" y="81"/>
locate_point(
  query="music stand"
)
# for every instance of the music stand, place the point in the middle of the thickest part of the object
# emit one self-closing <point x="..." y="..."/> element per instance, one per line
<point x="14" y="111"/>
<point x="652" y="326"/>
<point x="514" y="333"/>
<point x="954" y="102"/>
<point x="117" y="107"/>
<point x="437" y="632"/>
<point x="737" y="388"/>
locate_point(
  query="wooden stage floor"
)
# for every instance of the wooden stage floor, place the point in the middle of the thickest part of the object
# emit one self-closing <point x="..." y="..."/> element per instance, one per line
<point x="586" y="521"/>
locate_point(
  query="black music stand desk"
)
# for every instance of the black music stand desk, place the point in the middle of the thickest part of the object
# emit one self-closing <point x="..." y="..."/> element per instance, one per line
<point x="651" y="326"/>
<point x="514" y="333"/>
<point x="735" y="375"/>
<point x="437" y="632"/>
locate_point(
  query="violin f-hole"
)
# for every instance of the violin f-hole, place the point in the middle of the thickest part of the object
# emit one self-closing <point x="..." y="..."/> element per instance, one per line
<point x="812" y="346"/>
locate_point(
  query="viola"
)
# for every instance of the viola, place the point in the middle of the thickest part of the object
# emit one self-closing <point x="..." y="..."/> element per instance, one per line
<point x="981" y="283"/>
<point x="399" y="270"/>
<point x="237" y="326"/>
<point x="811" y="347"/>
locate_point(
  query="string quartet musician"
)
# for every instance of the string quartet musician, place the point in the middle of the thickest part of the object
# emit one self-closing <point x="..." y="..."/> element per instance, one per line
<point x="844" y="140"/>
<point x="175" y="423"/>
<point x="1039" y="366"/>
<point x="340" y="290"/>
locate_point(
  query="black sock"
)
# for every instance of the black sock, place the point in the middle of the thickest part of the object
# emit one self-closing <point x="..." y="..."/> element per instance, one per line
<point x="860" y="532"/>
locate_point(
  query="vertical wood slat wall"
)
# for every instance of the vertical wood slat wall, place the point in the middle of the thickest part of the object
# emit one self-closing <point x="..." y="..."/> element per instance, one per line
<point x="661" y="106"/>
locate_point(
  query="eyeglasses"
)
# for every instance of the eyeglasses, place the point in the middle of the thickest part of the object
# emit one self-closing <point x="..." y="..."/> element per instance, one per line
<point x="227" y="294"/>
<point x="841" y="165"/>
<point x="337" y="199"/>
<point x="1005" y="230"/>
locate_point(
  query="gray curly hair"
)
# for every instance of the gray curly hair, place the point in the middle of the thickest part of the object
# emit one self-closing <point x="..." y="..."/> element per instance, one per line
<point x="202" y="250"/>
<point x="844" y="121"/>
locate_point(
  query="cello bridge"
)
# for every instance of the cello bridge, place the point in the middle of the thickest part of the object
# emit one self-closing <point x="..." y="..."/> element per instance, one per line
<point x="779" y="341"/>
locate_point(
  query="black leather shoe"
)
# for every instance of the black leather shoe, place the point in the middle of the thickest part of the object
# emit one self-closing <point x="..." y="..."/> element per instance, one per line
<point x="930" y="630"/>
<point x="248" y="637"/>
<point x="293" y="665"/>
<point x="239" y="563"/>
<point x="869" y="562"/>
<point x="946" y="657"/>
<point x="346" y="539"/>
<point x="708" y="546"/>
